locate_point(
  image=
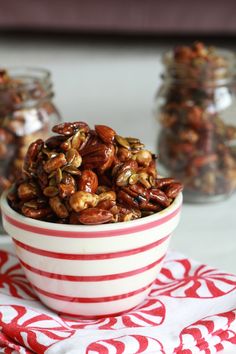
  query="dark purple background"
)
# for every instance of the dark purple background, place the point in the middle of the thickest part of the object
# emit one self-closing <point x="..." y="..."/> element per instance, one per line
<point x="210" y="17"/>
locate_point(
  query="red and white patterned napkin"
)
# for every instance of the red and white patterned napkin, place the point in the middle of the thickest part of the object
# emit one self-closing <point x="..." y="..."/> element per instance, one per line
<point x="191" y="309"/>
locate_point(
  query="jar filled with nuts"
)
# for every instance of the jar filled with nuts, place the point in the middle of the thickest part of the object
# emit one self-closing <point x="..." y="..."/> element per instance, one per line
<point x="26" y="113"/>
<point x="196" y="108"/>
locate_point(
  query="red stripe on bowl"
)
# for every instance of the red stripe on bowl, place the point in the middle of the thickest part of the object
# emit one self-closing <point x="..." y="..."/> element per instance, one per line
<point x="95" y="234"/>
<point x="91" y="300"/>
<point x="89" y="257"/>
<point x="91" y="278"/>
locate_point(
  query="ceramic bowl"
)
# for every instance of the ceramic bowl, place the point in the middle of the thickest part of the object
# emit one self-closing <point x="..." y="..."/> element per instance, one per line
<point x="92" y="271"/>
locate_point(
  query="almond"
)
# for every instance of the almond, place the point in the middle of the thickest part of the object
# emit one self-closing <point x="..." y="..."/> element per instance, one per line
<point x="105" y="133"/>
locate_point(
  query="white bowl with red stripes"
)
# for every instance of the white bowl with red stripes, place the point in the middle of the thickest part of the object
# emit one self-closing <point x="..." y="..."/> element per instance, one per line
<point x="97" y="270"/>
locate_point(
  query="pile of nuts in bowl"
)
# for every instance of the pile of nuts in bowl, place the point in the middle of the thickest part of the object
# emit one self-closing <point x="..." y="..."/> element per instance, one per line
<point x="85" y="176"/>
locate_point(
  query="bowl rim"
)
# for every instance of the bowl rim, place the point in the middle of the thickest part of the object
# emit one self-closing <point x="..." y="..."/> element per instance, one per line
<point x="8" y="211"/>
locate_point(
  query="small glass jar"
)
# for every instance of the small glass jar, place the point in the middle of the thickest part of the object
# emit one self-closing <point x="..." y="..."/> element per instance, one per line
<point x="26" y="114"/>
<point x="196" y="108"/>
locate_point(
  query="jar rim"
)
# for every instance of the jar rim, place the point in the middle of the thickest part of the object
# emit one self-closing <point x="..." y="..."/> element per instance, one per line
<point x="227" y="54"/>
<point x="208" y="72"/>
<point x="27" y="76"/>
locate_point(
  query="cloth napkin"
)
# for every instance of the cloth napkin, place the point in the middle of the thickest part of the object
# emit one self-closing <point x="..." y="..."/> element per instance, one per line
<point x="190" y="309"/>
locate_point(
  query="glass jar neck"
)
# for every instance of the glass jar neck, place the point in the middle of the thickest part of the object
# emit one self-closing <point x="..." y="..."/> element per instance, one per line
<point x="22" y="88"/>
<point x="200" y="71"/>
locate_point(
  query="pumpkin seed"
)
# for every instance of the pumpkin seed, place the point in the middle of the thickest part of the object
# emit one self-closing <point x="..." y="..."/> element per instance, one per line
<point x="72" y="170"/>
<point x="76" y="140"/>
<point x="133" y="178"/>
<point x="32" y="204"/>
<point x="123" y="178"/>
<point x="50" y="191"/>
<point x="73" y="158"/>
<point x="52" y="182"/>
<point x="132" y="140"/>
<point x="58" y="175"/>
<point x="123" y="142"/>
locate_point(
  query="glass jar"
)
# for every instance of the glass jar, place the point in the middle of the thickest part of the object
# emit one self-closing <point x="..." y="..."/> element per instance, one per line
<point x="26" y="114"/>
<point x="196" y="108"/>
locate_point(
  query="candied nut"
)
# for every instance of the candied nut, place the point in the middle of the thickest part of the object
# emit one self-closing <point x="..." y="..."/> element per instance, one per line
<point x="105" y="133"/>
<point x="50" y="191"/>
<point x="73" y="158"/>
<point x="74" y="218"/>
<point x="69" y="129"/>
<point x="110" y="195"/>
<point x="27" y="191"/>
<point x="160" y="197"/>
<point x="123" y="178"/>
<point x="123" y="154"/>
<point x="58" y="207"/>
<point x="34" y="213"/>
<point x="109" y="153"/>
<point x="143" y="178"/>
<point x="123" y="142"/>
<point x="173" y="190"/>
<point x="88" y="181"/>
<point x="127" y="199"/>
<point x="143" y="157"/>
<point x="77" y="139"/>
<point x="72" y="170"/>
<point x="32" y="153"/>
<point x="66" y="190"/>
<point x="94" y="156"/>
<point x="82" y="200"/>
<point x="106" y="204"/>
<point x="95" y="216"/>
<point x="163" y="182"/>
<point x="54" y="142"/>
<point x="55" y="163"/>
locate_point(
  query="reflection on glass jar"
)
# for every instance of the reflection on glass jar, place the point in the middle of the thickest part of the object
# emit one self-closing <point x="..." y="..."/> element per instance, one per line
<point x="26" y="114"/>
<point x="196" y="107"/>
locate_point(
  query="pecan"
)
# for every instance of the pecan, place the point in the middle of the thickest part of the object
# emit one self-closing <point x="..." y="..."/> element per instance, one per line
<point x="32" y="153"/>
<point x="69" y="129"/>
<point x="95" y="216"/>
<point x="173" y="190"/>
<point x="55" y="142"/>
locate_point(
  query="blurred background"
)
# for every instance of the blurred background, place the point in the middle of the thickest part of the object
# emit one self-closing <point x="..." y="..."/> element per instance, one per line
<point x="104" y="55"/>
<point x="105" y="60"/>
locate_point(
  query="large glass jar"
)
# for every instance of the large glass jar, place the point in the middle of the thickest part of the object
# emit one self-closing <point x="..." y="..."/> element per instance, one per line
<point x="196" y="108"/>
<point x="26" y="114"/>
